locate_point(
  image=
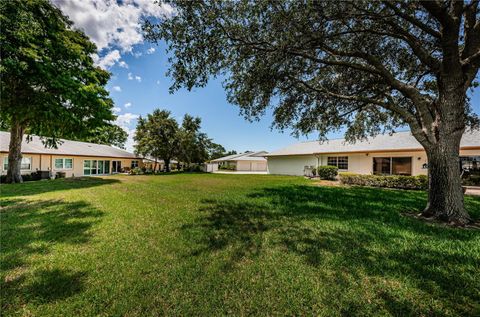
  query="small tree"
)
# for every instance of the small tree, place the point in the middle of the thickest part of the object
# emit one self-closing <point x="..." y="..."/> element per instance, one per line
<point x="157" y="136"/>
<point x="193" y="144"/>
<point x="110" y="134"/>
<point x="49" y="84"/>
<point x="369" y="66"/>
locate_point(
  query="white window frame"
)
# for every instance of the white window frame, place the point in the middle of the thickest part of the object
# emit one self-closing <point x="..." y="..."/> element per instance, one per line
<point x="63" y="168"/>
<point x="5" y="163"/>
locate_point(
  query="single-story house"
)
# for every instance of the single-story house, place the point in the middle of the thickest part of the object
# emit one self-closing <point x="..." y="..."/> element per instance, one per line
<point x="396" y="154"/>
<point x="74" y="158"/>
<point x="157" y="164"/>
<point x="248" y="161"/>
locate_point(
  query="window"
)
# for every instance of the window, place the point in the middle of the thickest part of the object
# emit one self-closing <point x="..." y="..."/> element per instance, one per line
<point x="392" y="165"/>
<point x="134" y="163"/>
<point x="96" y="167"/>
<point x="470" y="165"/>
<point x="25" y="165"/>
<point x="63" y="163"/>
<point x="339" y="161"/>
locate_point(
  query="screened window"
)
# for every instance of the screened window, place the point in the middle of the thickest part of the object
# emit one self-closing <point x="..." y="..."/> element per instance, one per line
<point x="26" y="163"/>
<point x="134" y="164"/>
<point x="339" y="161"/>
<point x="392" y="165"/>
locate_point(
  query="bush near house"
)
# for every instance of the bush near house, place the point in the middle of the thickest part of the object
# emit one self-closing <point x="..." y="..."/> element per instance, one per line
<point x="419" y="182"/>
<point x="326" y="172"/>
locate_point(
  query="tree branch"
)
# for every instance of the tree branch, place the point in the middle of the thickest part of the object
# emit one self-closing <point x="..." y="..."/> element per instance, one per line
<point x="424" y="27"/>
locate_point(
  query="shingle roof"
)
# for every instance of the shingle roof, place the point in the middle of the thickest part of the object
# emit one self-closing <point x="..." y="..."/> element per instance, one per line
<point x="247" y="156"/>
<point x="67" y="147"/>
<point x="382" y="142"/>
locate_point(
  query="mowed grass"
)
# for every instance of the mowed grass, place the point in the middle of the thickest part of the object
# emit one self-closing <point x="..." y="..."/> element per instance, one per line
<point x="203" y="244"/>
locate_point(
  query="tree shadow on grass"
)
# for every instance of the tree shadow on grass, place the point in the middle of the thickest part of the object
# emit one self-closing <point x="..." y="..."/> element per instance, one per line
<point x="30" y="230"/>
<point x="357" y="231"/>
<point x="44" y="186"/>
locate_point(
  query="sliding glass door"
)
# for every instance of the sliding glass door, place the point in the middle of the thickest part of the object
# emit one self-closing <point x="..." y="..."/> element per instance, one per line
<point x="96" y="167"/>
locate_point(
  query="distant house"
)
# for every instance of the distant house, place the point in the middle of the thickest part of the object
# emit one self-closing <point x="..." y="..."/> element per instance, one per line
<point x="157" y="164"/>
<point x="246" y="162"/>
<point x="71" y="157"/>
<point x="396" y="154"/>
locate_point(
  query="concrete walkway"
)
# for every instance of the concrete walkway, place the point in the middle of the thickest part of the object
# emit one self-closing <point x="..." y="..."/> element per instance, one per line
<point x="473" y="190"/>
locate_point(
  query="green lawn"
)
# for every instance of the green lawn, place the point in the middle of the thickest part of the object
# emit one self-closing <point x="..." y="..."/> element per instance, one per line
<point x="198" y="244"/>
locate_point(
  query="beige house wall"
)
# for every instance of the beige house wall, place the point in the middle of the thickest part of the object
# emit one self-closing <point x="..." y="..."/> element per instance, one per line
<point x="361" y="163"/>
<point x="47" y="162"/>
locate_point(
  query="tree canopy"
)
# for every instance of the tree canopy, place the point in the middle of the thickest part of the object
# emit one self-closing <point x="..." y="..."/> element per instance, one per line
<point x="158" y="135"/>
<point x="366" y="66"/>
<point x="49" y="83"/>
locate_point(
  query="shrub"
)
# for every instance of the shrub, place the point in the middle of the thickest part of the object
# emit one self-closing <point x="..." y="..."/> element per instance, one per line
<point x="471" y="180"/>
<point x="136" y="171"/>
<point x="327" y="172"/>
<point x="390" y="181"/>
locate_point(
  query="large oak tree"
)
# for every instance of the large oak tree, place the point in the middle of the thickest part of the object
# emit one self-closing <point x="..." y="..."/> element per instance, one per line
<point x="368" y="66"/>
<point x="49" y="83"/>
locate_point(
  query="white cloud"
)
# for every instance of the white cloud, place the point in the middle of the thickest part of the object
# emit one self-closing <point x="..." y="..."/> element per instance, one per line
<point x="123" y="64"/>
<point x="127" y="105"/>
<point x="116" y="109"/>
<point x="112" y="23"/>
<point x="151" y="50"/>
<point x="107" y="60"/>
<point x="125" y="121"/>
<point x="132" y="77"/>
<point x="158" y="82"/>
<point x="117" y="88"/>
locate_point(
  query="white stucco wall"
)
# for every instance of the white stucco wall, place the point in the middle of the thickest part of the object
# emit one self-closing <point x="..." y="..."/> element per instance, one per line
<point x="361" y="163"/>
<point x="290" y="165"/>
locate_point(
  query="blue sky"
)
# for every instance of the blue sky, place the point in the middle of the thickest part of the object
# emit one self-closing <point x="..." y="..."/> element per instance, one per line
<point x="139" y="83"/>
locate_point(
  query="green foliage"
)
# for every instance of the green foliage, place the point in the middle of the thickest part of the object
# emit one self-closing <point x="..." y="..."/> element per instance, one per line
<point x="326" y="172"/>
<point x="136" y="171"/>
<point x="391" y="181"/>
<point x="49" y="83"/>
<point x="471" y="180"/>
<point x="324" y="64"/>
<point x="159" y="135"/>
<point x="109" y="134"/>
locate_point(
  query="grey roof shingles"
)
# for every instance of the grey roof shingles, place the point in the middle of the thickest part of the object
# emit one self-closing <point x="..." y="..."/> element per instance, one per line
<point x="67" y="147"/>
<point x="383" y="142"/>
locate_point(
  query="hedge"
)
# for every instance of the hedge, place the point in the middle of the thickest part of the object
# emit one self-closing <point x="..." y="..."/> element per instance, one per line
<point x="326" y="172"/>
<point x="390" y="181"/>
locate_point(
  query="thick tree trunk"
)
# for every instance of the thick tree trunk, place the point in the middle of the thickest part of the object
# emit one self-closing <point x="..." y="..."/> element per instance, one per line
<point x="167" y="165"/>
<point x="15" y="154"/>
<point x="445" y="195"/>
